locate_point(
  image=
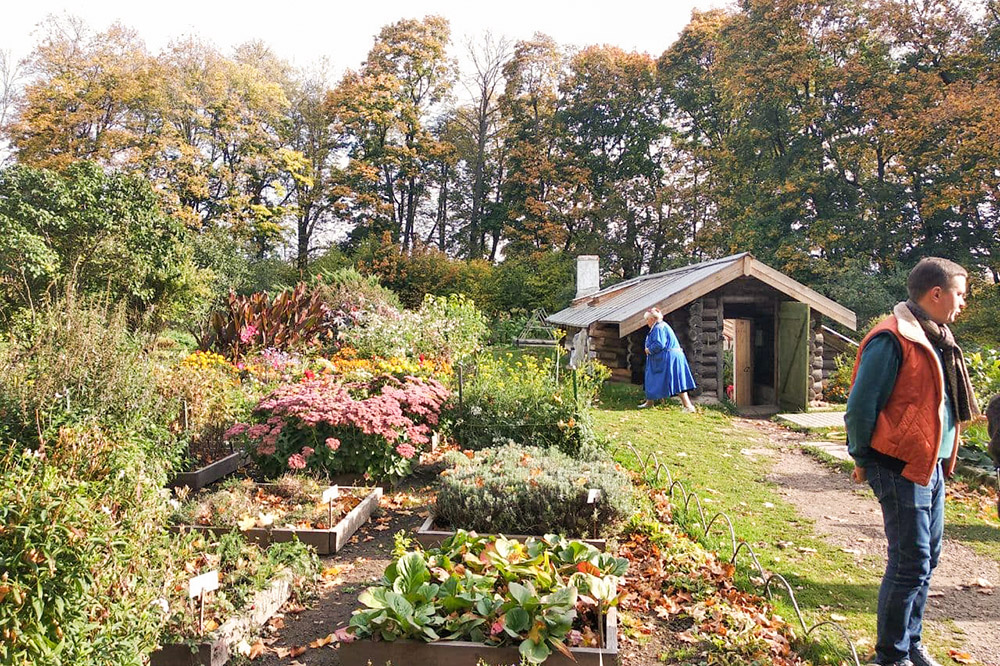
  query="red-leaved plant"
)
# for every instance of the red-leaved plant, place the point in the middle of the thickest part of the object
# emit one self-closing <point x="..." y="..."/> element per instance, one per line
<point x="318" y="425"/>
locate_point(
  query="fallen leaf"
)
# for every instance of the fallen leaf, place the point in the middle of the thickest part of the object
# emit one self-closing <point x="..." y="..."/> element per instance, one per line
<point x="296" y="651"/>
<point x="837" y="617"/>
<point x="320" y="642"/>
<point x="256" y="650"/>
<point x="960" y="657"/>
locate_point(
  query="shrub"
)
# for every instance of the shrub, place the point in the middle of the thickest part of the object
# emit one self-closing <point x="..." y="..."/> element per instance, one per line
<point x="212" y="397"/>
<point x="81" y="548"/>
<point x="516" y="399"/>
<point x="984" y="369"/>
<point x="319" y="425"/>
<point x="294" y="318"/>
<point x="445" y="327"/>
<point x="526" y="490"/>
<point x="838" y="384"/>
<point x="80" y="364"/>
<point x="354" y="297"/>
<point x="102" y="230"/>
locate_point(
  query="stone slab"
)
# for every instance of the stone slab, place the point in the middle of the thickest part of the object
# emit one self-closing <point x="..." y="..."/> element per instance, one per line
<point x="815" y="419"/>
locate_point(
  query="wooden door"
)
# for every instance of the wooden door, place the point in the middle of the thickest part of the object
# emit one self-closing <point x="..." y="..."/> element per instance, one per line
<point x="743" y="363"/>
<point x="793" y="356"/>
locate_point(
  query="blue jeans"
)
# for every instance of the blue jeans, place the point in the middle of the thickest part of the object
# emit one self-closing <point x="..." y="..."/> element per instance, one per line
<point x="914" y="523"/>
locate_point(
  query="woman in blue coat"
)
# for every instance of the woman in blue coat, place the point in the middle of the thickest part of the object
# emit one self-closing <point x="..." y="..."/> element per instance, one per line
<point x="667" y="370"/>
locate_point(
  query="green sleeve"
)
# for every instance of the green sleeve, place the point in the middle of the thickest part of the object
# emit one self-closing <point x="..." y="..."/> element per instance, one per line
<point x="875" y="380"/>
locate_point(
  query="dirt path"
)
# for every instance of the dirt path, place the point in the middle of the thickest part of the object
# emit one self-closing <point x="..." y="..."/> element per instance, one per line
<point x="848" y="516"/>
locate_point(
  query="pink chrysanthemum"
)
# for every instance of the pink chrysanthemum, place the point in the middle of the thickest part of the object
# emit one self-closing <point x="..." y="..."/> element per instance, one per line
<point x="406" y="450"/>
<point x="332" y="443"/>
<point x="296" y="461"/>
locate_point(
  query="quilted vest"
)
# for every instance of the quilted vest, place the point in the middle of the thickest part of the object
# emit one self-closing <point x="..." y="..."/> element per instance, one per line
<point x="909" y="427"/>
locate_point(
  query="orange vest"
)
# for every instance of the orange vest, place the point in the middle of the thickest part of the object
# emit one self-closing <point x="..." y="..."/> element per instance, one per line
<point x="909" y="427"/>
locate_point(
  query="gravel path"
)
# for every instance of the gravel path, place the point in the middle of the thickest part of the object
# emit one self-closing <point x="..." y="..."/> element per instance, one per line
<point x="849" y="517"/>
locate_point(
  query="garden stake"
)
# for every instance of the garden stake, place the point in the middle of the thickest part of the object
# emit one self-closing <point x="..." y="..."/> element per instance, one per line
<point x="460" y="382"/>
<point x="575" y="399"/>
<point x="997" y="470"/>
<point x="201" y="612"/>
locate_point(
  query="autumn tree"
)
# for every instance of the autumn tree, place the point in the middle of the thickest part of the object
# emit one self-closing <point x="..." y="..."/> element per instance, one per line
<point x="542" y="193"/>
<point x="611" y="122"/>
<point x="386" y="109"/>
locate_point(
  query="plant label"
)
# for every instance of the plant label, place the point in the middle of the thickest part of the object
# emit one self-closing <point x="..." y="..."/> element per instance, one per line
<point x="206" y="582"/>
<point x="330" y="494"/>
<point x="593" y="495"/>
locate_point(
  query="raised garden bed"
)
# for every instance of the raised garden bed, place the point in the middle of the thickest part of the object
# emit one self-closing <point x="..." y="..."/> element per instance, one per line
<point x="215" y="651"/>
<point x="430" y="535"/>
<point x="325" y="539"/>
<point x="466" y="653"/>
<point x="211" y="472"/>
<point x="490" y="599"/>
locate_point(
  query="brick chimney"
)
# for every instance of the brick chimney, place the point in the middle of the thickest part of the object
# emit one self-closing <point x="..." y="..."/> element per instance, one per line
<point x="588" y="275"/>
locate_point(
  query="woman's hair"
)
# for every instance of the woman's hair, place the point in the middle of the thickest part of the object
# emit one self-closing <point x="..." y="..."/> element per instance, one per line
<point x="653" y="313"/>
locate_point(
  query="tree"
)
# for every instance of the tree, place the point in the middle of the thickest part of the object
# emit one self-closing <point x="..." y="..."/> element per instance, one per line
<point x="541" y="192"/>
<point x="478" y="139"/>
<point x="386" y="110"/>
<point x="611" y="126"/>
<point x="316" y="189"/>
<point x="103" y="233"/>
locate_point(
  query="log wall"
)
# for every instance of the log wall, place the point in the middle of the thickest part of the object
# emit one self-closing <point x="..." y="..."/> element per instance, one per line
<point x="816" y="357"/>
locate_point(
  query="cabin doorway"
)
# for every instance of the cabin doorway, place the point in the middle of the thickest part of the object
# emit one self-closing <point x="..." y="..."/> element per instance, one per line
<point x="751" y="330"/>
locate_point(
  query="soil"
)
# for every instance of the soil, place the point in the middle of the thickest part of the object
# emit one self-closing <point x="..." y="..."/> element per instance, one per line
<point x="848" y="516"/>
<point x="360" y="565"/>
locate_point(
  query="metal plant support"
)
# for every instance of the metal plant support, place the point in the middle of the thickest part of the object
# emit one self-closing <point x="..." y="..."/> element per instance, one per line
<point x="651" y="474"/>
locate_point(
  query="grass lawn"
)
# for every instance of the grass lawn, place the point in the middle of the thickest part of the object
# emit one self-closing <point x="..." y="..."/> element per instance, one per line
<point x="703" y="451"/>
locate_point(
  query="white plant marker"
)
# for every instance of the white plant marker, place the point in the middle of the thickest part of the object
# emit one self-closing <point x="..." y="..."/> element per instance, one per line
<point x="199" y="586"/>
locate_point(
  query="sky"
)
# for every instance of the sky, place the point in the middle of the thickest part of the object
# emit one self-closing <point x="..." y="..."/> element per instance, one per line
<point x="304" y="31"/>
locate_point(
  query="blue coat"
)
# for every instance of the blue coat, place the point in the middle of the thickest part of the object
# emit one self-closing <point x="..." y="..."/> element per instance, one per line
<point x="667" y="370"/>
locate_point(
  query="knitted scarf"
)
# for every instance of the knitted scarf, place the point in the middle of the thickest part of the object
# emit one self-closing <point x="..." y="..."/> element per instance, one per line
<point x="963" y="399"/>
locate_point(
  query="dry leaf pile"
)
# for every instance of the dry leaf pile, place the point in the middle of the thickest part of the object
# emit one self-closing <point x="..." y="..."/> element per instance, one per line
<point x="676" y="587"/>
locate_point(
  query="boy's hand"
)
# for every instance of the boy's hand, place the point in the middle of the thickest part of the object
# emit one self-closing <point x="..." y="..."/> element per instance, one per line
<point x="859" y="474"/>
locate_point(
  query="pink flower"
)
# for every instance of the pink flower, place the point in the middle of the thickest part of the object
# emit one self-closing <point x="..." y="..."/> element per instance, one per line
<point x="307" y="451"/>
<point x="296" y="461"/>
<point x="332" y="443"/>
<point x="575" y="638"/>
<point x="257" y="431"/>
<point x="248" y="334"/>
<point x="406" y="450"/>
<point x="236" y="430"/>
<point x="496" y="627"/>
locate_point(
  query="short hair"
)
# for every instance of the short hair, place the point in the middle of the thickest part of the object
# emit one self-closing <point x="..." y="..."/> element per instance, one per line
<point x="932" y="272"/>
<point x="653" y="313"/>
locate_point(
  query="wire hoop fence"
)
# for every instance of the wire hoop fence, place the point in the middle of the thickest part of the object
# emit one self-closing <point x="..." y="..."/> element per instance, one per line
<point x="652" y="470"/>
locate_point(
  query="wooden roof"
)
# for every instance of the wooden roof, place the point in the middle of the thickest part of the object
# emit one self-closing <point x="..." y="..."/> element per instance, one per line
<point x="624" y="303"/>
